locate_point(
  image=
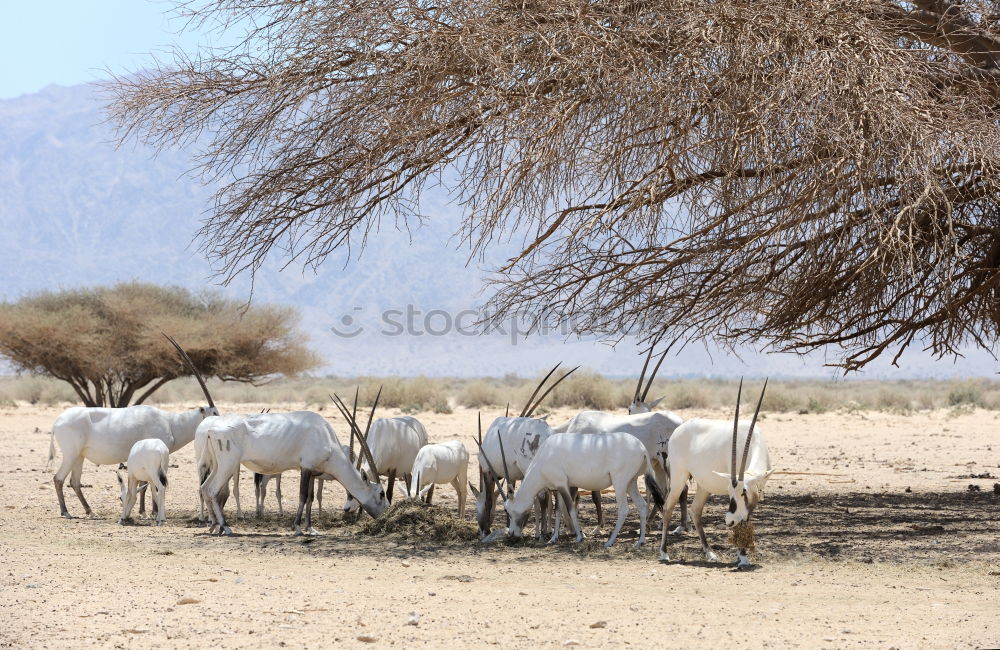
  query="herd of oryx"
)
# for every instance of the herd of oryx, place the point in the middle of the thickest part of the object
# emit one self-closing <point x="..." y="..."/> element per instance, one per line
<point x="523" y="461"/>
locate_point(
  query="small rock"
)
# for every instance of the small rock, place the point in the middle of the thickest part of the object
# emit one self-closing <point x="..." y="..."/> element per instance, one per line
<point x="908" y="489"/>
<point x="599" y="625"/>
<point x="32" y="585"/>
<point x="522" y="593"/>
<point x="364" y="638"/>
<point x="413" y="618"/>
<point x="571" y="642"/>
<point x="974" y="488"/>
<point x="405" y="563"/>
<point x="188" y="601"/>
<point x="238" y="581"/>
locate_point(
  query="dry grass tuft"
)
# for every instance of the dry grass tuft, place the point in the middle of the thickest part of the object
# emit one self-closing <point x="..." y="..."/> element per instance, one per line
<point x="418" y="521"/>
<point x="742" y="536"/>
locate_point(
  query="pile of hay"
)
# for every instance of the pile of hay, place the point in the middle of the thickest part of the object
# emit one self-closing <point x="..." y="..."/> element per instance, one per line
<point x="742" y="536"/>
<point x="417" y="521"/>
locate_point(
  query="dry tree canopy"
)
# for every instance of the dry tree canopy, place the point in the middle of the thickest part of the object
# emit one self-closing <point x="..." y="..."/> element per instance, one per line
<point x="108" y="343"/>
<point x="788" y="173"/>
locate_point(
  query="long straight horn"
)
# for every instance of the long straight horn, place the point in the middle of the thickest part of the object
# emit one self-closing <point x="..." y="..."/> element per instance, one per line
<point x="746" y="446"/>
<point x="656" y="368"/>
<point x="642" y="375"/>
<point x="371" y="457"/>
<point x="493" y="472"/>
<point x="506" y="413"/>
<point x="190" y="365"/>
<point x="527" y="406"/>
<point x="354" y="415"/>
<point x="549" y="390"/>
<point x="355" y="430"/>
<point x="736" y="424"/>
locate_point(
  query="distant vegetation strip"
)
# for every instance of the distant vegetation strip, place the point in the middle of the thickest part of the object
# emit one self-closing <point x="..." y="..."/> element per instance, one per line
<point x="584" y="390"/>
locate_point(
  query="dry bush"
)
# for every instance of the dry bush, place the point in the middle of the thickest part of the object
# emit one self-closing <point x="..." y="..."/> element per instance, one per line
<point x="586" y="389"/>
<point x="478" y="393"/>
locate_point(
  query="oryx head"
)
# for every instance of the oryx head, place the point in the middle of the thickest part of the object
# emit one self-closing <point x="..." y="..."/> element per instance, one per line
<point x="745" y="491"/>
<point x="639" y="403"/>
<point x="375" y="497"/>
<point x="204" y="410"/>
<point x="122" y="486"/>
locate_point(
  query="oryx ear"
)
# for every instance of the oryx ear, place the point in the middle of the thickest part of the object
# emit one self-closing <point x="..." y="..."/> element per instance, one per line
<point x="475" y="492"/>
<point x="118" y="475"/>
<point x="545" y="418"/>
<point x="652" y="405"/>
<point x="121" y="466"/>
<point x="759" y="478"/>
<point x="724" y="475"/>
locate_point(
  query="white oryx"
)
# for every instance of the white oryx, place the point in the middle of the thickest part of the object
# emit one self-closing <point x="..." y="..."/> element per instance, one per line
<point x="394" y="443"/>
<point x="522" y="436"/>
<point x="706" y="451"/>
<point x="592" y="462"/>
<point x="105" y="436"/>
<point x="148" y="461"/>
<point x="445" y="462"/>
<point x="270" y="443"/>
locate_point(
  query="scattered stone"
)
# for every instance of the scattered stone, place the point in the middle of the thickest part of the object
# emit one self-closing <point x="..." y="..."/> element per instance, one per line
<point x="413" y="618"/>
<point x="364" y="638"/>
<point x="32" y="585"/>
<point x="908" y="489"/>
<point x="461" y="578"/>
<point x="599" y="625"/>
<point x="405" y="563"/>
<point x="571" y="642"/>
<point x="188" y="601"/>
<point x="974" y="488"/>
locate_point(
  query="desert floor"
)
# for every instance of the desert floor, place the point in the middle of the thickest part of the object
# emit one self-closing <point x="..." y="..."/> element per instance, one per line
<point x="869" y="536"/>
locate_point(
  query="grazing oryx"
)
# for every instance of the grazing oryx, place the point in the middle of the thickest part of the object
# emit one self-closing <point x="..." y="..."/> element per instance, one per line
<point x="652" y="429"/>
<point x="701" y="449"/>
<point x="446" y="462"/>
<point x="104" y="436"/>
<point x="593" y="462"/>
<point x="394" y="443"/>
<point x="270" y="443"/>
<point x="522" y="436"/>
<point x="147" y="461"/>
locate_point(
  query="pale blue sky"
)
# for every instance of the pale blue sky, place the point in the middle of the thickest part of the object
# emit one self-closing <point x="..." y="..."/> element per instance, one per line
<point x="69" y="42"/>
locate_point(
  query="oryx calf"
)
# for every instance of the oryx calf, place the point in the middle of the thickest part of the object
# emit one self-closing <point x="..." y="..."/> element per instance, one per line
<point x="706" y="451"/>
<point x="147" y="461"/>
<point x="446" y="462"/>
<point x="592" y="462"/>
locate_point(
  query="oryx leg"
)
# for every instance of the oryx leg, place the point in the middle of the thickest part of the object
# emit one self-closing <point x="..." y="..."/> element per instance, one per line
<point x="640" y="505"/>
<point x="542" y="515"/>
<point x="561" y="510"/>
<point x="677" y="487"/>
<point x="686" y="525"/>
<point x="319" y="494"/>
<point x="65" y="469"/>
<point x="408" y="479"/>
<point x="462" y="490"/>
<point x="621" y="500"/>
<point x="142" y="497"/>
<point x="74" y="481"/>
<point x="215" y="490"/>
<point x="595" y="496"/>
<point x="160" y="501"/>
<point x="390" y="482"/>
<point x="258" y="492"/>
<point x="574" y="516"/>
<point x="700" y="499"/>
<point x="305" y="502"/>
<point x="203" y="471"/>
<point x="130" y="497"/>
<point x="430" y="494"/>
<point x="236" y="494"/>
<point x="277" y="492"/>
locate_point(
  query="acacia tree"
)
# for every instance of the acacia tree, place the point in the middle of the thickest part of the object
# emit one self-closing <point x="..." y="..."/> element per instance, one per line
<point x="788" y="173"/>
<point x="108" y="342"/>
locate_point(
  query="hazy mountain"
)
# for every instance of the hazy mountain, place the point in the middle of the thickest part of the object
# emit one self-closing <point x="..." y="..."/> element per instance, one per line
<point x="77" y="211"/>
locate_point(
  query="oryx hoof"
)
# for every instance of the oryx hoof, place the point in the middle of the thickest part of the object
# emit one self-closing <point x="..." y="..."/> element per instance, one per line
<point x="65" y="515"/>
<point x="743" y="566"/>
<point x="297" y="532"/>
<point x="227" y="531"/>
<point x="711" y="556"/>
<point x="680" y="530"/>
<point x="664" y="557"/>
<point x="312" y="532"/>
<point x="638" y="545"/>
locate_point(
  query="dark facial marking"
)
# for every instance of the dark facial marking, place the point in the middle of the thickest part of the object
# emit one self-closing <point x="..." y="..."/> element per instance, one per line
<point x="732" y="505"/>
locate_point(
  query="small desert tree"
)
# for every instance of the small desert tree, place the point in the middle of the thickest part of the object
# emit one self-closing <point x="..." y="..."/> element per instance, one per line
<point x="108" y="342"/>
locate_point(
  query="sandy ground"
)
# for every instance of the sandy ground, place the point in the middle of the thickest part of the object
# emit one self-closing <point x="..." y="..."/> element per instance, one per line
<point x="872" y="537"/>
